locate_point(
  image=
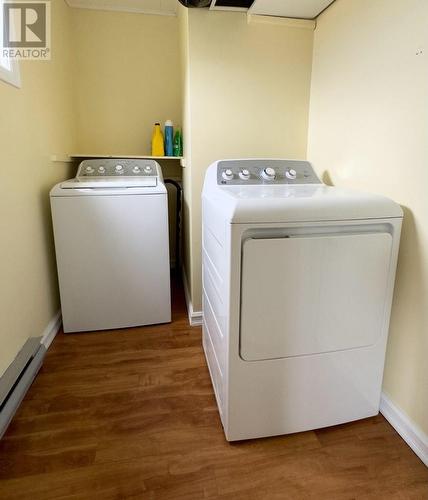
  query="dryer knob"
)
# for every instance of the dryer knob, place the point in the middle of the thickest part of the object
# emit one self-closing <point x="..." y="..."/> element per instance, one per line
<point x="119" y="168"/>
<point x="89" y="170"/>
<point x="227" y="175"/>
<point x="148" y="169"/>
<point x="136" y="170"/>
<point x="291" y="174"/>
<point x="269" y="174"/>
<point x="101" y="170"/>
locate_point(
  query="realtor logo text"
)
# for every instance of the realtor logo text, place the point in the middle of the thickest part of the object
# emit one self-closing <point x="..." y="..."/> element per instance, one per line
<point x="26" y="30"/>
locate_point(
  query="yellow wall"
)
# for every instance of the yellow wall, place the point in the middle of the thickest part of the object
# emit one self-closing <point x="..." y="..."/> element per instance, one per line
<point x="249" y="96"/>
<point x="126" y="77"/>
<point x="35" y="122"/>
<point x="368" y="129"/>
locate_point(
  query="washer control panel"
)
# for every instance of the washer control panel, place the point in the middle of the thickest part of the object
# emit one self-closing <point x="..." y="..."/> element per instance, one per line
<point x="251" y="172"/>
<point x="115" y="167"/>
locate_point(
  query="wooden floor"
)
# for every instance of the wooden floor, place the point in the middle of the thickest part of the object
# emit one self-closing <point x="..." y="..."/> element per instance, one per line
<point x="131" y="414"/>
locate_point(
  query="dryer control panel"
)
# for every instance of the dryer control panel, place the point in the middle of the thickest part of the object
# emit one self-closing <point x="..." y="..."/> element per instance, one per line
<point x="251" y="172"/>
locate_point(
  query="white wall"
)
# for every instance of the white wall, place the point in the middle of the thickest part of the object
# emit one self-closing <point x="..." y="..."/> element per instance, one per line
<point x="369" y="130"/>
<point x="249" y="94"/>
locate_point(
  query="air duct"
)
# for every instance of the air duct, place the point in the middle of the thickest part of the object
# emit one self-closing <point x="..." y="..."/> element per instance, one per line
<point x="195" y="3"/>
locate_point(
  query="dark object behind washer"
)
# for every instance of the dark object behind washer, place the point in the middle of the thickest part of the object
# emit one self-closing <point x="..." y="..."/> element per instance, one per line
<point x="177" y="223"/>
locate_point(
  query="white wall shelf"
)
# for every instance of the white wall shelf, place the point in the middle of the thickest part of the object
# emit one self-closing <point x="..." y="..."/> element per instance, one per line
<point x="126" y="157"/>
<point x="72" y="157"/>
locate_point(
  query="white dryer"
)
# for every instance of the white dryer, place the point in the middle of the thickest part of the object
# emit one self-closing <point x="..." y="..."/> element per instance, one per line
<point x="112" y="248"/>
<point x="298" y="280"/>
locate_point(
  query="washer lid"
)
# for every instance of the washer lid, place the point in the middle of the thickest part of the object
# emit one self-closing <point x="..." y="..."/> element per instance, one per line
<point x="113" y="176"/>
<point x="109" y="182"/>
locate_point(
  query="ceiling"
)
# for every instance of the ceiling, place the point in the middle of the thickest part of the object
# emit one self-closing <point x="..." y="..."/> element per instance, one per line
<point x="303" y="9"/>
<point x="160" y="7"/>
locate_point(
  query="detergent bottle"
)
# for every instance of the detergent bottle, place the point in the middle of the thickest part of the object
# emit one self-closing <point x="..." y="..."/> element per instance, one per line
<point x="157" y="141"/>
<point x="168" y="137"/>
<point x="178" y="143"/>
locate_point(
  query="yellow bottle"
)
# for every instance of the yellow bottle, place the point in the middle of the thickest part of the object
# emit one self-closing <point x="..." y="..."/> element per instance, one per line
<point x="158" y="148"/>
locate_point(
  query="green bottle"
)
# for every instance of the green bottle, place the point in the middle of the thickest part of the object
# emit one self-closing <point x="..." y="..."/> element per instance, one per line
<point x="178" y="143"/>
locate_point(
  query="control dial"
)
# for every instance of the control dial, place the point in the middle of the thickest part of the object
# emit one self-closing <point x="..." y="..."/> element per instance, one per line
<point x="148" y="169"/>
<point x="89" y="170"/>
<point x="101" y="170"/>
<point x="119" y="169"/>
<point x="291" y="174"/>
<point x="269" y="174"/>
<point x="136" y="170"/>
<point x="244" y="174"/>
<point x="227" y="175"/>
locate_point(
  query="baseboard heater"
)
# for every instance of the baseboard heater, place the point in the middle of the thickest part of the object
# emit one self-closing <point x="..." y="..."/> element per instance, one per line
<point x="18" y="377"/>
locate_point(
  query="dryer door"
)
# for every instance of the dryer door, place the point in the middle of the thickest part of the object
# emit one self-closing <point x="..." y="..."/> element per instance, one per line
<point x="312" y="294"/>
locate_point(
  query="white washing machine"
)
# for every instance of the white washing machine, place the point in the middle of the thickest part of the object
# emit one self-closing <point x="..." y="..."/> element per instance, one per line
<point x="298" y="280"/>
<point x="112" y="248"/>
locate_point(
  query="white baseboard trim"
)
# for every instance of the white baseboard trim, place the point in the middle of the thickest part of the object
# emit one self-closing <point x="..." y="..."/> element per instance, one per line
<point x="51" y="330"/>
<point x="408" y="430"/>
<point x="195" y="317"/>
